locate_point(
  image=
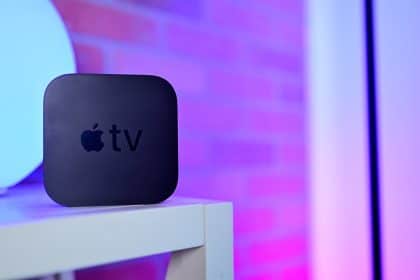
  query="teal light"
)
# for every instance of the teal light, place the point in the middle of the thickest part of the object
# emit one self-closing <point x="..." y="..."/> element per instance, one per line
<point x="34" y="49"/>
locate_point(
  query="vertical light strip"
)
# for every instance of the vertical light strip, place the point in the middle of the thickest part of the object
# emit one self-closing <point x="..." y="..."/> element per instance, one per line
<point x="338" y="145"/>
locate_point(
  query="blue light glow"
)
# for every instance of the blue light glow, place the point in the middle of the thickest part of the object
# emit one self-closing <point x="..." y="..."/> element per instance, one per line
<point x="35" y="48"/>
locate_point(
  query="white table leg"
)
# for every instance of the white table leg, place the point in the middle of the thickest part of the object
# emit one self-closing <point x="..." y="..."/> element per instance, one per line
<point x="214" y="260"/>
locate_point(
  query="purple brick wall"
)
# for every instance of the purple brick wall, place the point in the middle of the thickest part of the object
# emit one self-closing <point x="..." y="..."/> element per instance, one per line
<point x="238" y="68"/>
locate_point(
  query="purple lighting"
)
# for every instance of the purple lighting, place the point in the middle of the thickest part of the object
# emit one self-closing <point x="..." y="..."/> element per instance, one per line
<point x="238" y="70"/>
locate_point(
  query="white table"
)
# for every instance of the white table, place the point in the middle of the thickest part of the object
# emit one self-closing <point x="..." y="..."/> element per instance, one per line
<point x="39" y="237"/>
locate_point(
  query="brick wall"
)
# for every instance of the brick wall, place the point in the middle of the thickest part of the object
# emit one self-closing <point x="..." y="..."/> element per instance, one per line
<point x="238" y="69"/>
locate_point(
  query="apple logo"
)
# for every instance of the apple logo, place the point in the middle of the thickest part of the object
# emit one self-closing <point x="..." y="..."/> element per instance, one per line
<point x="91" y="139"/>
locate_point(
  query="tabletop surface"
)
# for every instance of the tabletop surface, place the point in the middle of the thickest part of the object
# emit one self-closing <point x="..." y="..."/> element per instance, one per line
<point x="28" y="203"/>
<point x="33" y="229"/>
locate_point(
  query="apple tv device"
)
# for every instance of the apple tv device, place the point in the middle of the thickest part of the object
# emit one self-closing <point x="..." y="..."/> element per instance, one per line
<point x="110" y="139"/>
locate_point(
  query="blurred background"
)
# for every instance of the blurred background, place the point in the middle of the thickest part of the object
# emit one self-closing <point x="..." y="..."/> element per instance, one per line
<point x="275" y="114"/>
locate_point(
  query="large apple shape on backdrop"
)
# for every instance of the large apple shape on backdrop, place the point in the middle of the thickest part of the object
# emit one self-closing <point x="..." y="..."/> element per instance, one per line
<point x="34" y="49"/>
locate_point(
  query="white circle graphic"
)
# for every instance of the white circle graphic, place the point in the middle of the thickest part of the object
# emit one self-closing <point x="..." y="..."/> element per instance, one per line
<point x="34" y="49"/>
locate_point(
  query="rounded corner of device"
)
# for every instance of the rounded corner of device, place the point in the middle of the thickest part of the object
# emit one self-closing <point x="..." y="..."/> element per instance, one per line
<point x="171" y="190"/>
<point x="165" y="82"/>
<point x="55" y="198"/>
<point x="54" y="81"/>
